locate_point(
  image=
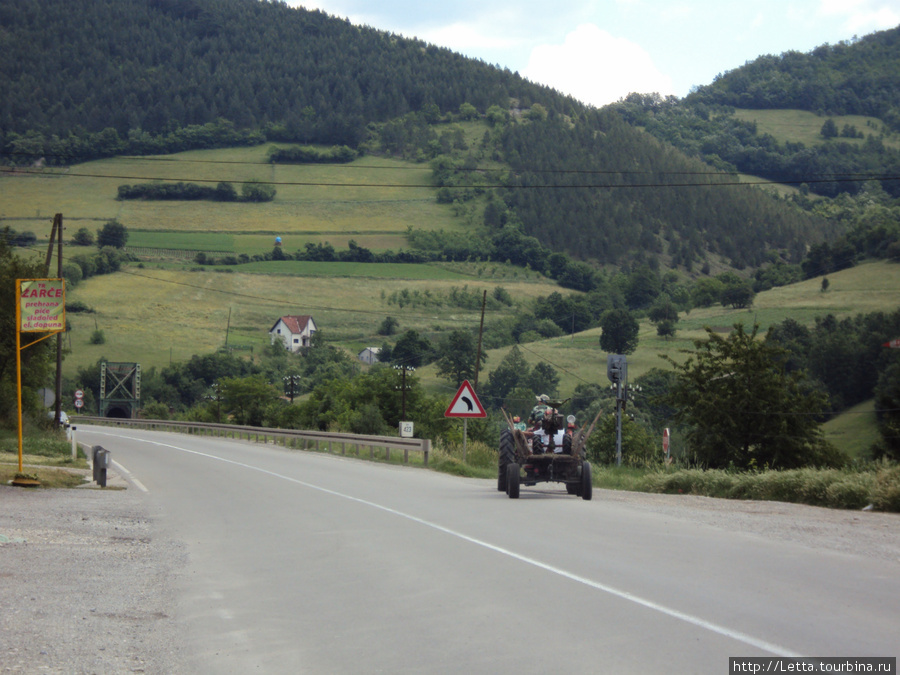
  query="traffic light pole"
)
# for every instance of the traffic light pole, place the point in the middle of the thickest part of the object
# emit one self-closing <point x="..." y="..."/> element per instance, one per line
<point x="617" y="372"/>
<point x="620" y="405"/>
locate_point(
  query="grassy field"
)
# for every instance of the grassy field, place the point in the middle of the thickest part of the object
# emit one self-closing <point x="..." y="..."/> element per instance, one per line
<point x="350" y="269"/>
<point x="578" y="359"/>
<point x="855" y="430"/>
<point x="154" y="315"/>
<point x="371" y="195"/>
<point x="805" y="127"/>
<point x="254" y="244"/>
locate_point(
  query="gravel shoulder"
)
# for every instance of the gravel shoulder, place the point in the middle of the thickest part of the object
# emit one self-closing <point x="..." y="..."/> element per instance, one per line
<point x="86" y="586"/>
<point x="869" y="534"/>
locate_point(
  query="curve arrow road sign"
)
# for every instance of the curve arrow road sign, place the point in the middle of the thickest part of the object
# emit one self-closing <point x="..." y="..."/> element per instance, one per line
<point x="465" y="403"/>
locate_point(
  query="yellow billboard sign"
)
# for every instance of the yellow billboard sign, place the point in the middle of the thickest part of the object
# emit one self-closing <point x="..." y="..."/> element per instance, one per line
<point x="42" y="305"/>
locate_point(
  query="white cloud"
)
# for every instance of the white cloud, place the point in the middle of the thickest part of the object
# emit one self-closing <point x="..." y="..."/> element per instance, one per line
<point x="463" y="37"/>
<point x="596" y="67"/>
<point x="863" y="15"/>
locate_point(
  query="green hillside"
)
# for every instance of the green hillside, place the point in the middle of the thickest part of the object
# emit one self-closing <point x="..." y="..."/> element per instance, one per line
<point x="154" y="316"/>
<point x="854" y="77"/>
<point x="863" y="289"/>
<point x="313" y="202"/>
<point x="828" y="119"/>
<point x="428" y="179"/>
<point x="199" y="75"/>
<point x="802" y="126"/>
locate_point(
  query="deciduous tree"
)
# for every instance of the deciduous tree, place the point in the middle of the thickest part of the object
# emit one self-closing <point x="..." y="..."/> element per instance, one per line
<point x="619" y="332"/>
<point x="741" y="407"/>
<point x="113" y="233"/>
<point x="457" y="358"/>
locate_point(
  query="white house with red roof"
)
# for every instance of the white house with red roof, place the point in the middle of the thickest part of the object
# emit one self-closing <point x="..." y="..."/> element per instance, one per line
<point x="294" y="331"/>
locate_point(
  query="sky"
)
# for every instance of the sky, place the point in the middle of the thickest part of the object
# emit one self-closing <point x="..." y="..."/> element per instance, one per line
<point x="600" y="50"/>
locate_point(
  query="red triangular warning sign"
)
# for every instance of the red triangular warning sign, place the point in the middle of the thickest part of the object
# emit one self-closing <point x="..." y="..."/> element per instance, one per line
<point x="465" y="403"/>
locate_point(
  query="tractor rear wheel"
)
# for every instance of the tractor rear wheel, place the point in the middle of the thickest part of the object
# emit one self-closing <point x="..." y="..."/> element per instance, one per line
<point x="507" y="455"/>
<point x="512" y="481"/>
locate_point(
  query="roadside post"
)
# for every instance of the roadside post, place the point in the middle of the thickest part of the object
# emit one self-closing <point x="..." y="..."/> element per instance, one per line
<point x="101" y="464"/>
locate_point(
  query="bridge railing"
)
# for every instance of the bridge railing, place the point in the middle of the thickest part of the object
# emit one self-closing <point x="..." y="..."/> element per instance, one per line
<point x="293" y="438"/>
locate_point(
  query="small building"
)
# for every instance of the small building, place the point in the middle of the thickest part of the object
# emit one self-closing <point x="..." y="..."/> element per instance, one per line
<point x="294" y="331"/>
<point x="369" y="355"/>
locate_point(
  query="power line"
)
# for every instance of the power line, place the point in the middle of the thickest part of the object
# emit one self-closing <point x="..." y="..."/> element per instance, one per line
<point x="819" y="177"/>
<point x="512" y="186"/>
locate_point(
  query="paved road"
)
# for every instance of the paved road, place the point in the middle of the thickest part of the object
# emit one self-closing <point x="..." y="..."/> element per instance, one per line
<point x="299" y="562"/>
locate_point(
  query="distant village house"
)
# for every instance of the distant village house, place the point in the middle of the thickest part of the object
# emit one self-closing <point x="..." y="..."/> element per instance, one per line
<point x="369" y="355"/>
<point x="294" y="331"/>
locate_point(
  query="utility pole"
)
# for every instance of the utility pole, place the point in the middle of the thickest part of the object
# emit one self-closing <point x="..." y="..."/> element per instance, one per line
<point x="291" y="384"/>
<point x="480" y="332"/>
<point x="56" y="233"/>
<point x="217" y="397"/>
<point x="403" y="387"/>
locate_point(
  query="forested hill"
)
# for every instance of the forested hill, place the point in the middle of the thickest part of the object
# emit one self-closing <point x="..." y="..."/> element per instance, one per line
<point x="75" y="66"/>
<point x="859" y="80"/>
<point x="84" y="79"/>
<point x="861" y="77"/>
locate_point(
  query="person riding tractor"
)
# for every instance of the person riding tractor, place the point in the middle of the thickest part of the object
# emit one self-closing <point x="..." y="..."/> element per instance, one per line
<point x="537" y="413"/>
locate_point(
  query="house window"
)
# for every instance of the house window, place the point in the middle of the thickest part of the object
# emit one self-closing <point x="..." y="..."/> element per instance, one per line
<point x="296" y="340"/>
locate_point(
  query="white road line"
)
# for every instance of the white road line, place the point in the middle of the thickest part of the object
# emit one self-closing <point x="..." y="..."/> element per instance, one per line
<point x="746" y="639"/>
<point x="130" y="477"/>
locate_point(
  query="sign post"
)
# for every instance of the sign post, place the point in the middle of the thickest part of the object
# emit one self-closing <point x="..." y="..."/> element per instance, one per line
<point x="465" y="405"/>
<point x="40" y="308"/>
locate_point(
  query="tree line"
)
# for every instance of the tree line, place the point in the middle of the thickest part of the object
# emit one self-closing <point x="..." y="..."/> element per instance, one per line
<point x="142" y="71"/>
<point x="181" y="191"/>
<point x="712" y="133"/>
<point x="853" y="77"/>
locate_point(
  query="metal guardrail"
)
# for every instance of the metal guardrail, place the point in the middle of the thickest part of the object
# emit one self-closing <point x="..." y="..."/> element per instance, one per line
<point x="293" y="438"/>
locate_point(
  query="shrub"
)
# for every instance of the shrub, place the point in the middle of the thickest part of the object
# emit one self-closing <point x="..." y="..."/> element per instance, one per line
<point x="841" y="489"/>
<point x="853" y="492"/>
<point x="886" y="490"/>
<point x="72" y="274"/>
<point x="98" y="338"/>
<point x="84" y="237"/>
<point x="78" y="307"/>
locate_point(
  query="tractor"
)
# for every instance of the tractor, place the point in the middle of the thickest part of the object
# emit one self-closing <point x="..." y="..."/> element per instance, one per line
<point x="549" y="452"/>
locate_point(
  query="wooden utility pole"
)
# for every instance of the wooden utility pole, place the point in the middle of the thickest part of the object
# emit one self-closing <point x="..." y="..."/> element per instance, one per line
<point x="480" y="332"/>
<point x="57" y="234"/>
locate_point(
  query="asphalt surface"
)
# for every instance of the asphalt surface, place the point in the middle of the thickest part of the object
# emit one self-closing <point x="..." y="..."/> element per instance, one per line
<point x="234" y="557"/>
